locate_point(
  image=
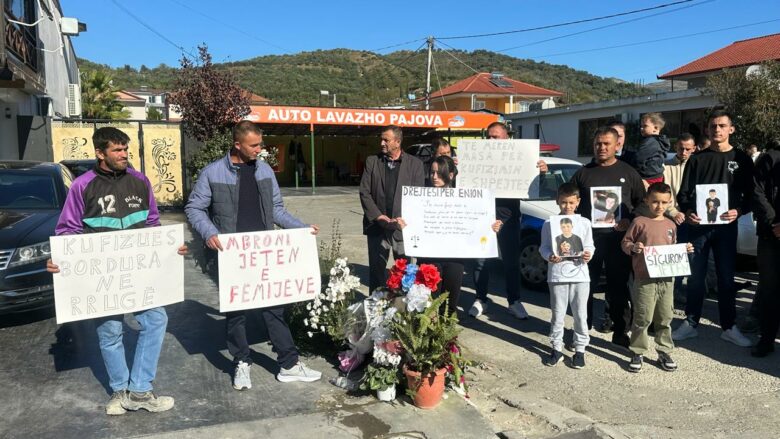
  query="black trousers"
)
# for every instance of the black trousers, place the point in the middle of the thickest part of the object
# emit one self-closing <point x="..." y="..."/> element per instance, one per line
<point x="379" y="247"/>
<point x="610" y="256"/>
<point x="278" y="332"/>
<point x="451" y="271"/>
<point x="509" y="246"/>
<point x="769" y="283"/>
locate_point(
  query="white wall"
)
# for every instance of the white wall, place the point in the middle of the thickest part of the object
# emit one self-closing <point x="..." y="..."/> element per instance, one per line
<point x="60" y="65"/>
<point x="561" y="125"/>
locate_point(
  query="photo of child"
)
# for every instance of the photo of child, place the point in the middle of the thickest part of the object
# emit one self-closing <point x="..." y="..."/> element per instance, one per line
<point x="711" y="202"/>
<point x="567" y="239"/>
<point x="605" y="202"/>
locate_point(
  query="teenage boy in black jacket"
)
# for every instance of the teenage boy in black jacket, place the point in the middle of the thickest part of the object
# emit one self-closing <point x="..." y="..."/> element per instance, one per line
<point x="720" y="163"/>
<point x="766" y="205"/>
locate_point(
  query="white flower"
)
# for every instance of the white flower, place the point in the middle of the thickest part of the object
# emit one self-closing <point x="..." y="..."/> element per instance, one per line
<point x="418" y="298"/>
<point x="310" y="334"/>
<point x="333" y="271"/>
<point x="305" y="322"/>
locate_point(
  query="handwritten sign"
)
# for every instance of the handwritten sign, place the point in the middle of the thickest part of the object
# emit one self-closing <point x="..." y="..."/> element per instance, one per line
<point x="262" y="269"/>
<point x="449" y="222"/>
<point x="507" y="167"/>
<point x="105" y="274"/>
<point x="667" y="260"/>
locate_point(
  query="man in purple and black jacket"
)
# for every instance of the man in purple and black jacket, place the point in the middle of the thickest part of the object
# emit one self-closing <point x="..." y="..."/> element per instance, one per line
<point x="108" y="198"/>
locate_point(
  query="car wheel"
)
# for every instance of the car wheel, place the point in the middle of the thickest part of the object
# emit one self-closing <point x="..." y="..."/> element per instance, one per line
<point x="533" y="268"/>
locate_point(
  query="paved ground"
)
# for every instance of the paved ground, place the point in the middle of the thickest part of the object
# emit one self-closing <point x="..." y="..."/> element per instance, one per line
<point x="52" y="379"/>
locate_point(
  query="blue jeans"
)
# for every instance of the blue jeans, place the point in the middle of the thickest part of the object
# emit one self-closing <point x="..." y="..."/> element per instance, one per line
<point x="147" y="351"/>
<point x="722" y="241"/>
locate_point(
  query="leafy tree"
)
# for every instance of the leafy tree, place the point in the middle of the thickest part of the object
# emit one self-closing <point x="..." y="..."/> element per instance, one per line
<point x="217" y="146"/>
<point x="752" y="99"/>
<point x="208" y="98"/>
<point x="98" y="97"/>
<point x="154" y="114"/>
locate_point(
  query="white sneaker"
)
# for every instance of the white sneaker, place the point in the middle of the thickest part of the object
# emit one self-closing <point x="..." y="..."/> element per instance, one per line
<point x="299" y="372"/>
<point x="518" y="310"/>
<point x="735" y="336"/>
<point x="684" y="332"/>
<point x="478" y="308"/>
<point x="241" y="377"/>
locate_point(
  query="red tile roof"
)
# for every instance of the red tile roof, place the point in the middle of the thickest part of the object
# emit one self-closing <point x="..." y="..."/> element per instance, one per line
<point x="255" y="99"/>
<point x="126" y="96"/>
<point x="480" y="84"/>
<point x="739" y="53"/>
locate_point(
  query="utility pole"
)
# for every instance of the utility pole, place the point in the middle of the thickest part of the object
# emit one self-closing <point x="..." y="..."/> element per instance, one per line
<point x="428" y="80"/>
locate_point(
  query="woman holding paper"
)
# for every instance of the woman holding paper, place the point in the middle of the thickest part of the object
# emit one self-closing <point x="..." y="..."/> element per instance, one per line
<point x="443" y="173"/>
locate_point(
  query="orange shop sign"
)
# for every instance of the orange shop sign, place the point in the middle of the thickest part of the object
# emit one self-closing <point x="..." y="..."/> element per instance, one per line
<point x="370" y="117"/>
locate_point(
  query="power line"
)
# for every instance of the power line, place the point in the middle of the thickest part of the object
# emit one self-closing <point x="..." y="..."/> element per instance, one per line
<point x="399" y="44"/>
<point x="593" y="29"/>
<point x="228" y="25"/>
<point x="436" y="72"/>
<point x="569" y="23"/>
<point x="658" y="40"/>
<point x="455" y="57"/>
<point x="415" y="52"/>
<point x="153" y="30"/>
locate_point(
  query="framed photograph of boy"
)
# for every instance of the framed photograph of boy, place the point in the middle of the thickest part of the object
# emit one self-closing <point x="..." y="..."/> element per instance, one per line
<point x="566" y="235"/>
<point x="605" y="206"/>
<point x="712" y="200"/>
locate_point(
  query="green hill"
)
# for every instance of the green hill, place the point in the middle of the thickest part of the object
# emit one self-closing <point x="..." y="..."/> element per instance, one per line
<point x="362" y="78"/>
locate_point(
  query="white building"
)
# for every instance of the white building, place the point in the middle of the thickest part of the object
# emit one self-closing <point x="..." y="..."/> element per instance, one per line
<point x="39" y="77"/>
<point x="572" y="126"/>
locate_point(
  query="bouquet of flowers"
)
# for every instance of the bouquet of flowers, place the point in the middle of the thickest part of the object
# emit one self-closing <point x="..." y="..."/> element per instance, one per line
<point x="269" y="154"/>
<point x="329" y="311"/>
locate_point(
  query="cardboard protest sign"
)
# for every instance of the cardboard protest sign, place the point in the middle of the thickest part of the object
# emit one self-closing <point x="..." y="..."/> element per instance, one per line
<point x="262" y="269"/>
<point x="449" y="222"/>
<point x="605" y="206"/>
<point x="712" y="201"/>
<point x="105" y="274"/>
<point x="566" y="235"/>
<point x="667" y="260"/>
<point x="506" y="167"/>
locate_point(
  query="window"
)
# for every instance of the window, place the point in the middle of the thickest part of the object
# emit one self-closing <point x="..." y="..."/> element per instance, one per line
<point x="585" y="135"/>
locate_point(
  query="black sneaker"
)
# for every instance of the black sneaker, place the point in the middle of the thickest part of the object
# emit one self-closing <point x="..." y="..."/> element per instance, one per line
<point x="762" y="349"/>
<point x="578" y="360"/>
<point x="606" y="326"/>
<point x="554" y="358"/>
<point x="666" y="362"/>
<point x="636" y="364"/>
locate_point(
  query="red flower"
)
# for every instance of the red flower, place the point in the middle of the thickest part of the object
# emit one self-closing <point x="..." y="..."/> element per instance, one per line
<point x="400" y="265"/>
<point x="429" y="276"/>
<point x="394" y="280"/>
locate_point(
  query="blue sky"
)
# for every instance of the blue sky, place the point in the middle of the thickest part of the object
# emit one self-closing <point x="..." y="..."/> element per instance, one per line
<point x="241" y="29"/>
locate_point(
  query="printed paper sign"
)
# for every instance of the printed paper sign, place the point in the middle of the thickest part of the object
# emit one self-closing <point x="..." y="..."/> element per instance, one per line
<point x="262" y="269"/>
<point x="506" y="167"/>
<point x="105" y="274"/>
<point x="667" y="260"/>
<point x="605" y="206"/>
<point x="566" y="233"/>
<point x="712" y="201"/>
<point x="449" y="222"/>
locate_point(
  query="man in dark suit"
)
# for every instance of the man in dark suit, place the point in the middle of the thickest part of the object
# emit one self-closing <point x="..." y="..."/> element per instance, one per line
<point x="380" y="195"/>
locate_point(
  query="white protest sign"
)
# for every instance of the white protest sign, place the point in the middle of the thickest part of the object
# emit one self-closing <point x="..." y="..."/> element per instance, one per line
<point x="449" y="222"/>
<point x="507" y="167"/>
<point x="667" y="260"/>
<point x="605" y="206"/>
<point x="712" y="201"/>
<point x="262" y="269"/>
<point x="566" y="234"/>
<point x="110" y="273"/>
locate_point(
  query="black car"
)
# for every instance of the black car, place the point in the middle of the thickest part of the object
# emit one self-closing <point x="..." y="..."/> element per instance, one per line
<point x="32" y="195"/>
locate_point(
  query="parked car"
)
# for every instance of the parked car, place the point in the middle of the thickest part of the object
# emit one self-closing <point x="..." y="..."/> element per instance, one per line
<point x="535" y="211"/>
<point x="78" y="167"/>
<point x="32" y="195"/>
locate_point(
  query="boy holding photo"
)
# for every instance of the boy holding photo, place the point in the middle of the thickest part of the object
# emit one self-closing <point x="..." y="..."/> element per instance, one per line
<point x="569" y="279"/>
<point x="653" y="299"/>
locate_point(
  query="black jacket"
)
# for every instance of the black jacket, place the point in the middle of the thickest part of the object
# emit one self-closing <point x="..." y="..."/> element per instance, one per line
<point x="648" y="158"/>
<point x="766" y="193"/>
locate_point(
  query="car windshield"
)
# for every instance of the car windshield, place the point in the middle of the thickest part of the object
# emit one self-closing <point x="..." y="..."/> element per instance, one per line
<point x="555" y="176"/>
<point x="20" y="190"/>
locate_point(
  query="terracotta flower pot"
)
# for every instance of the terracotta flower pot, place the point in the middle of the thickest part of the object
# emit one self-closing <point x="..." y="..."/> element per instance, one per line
<point x="428" y="390"/>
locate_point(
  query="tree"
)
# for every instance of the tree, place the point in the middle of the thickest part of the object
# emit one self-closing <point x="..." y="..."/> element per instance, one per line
<point x="154" y="114"/>
<point x="98" y="97"/>
<point x="753" y="99"/>
<point x="210" y="101"/>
